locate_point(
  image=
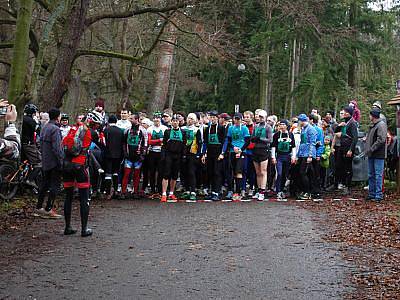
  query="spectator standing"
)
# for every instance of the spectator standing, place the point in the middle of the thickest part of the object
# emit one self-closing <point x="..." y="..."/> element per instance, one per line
<point x="113" y="154"/>
<point x="51" y="146"/>
<point x="376" y="151"/>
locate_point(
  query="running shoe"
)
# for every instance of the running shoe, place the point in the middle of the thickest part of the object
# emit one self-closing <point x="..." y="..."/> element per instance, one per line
<point x="192" y="198"/>
<point x="39" y="212"/>
<point x="215" y="197"/>
<point x="51" y="215"/>
<point x="236" y="197"/>
<point x="250" y="193"/>
<point x="185" y="196"/>
<point x="255" y="196"/>
<point x="172" y="199"/>
<point x="229" y="196"/>
<point x="154" y="196"/>
<point x="281" y="197"/>
<point x="303" y="197"/>
<point x="164" y="198"/>
<point x="261" y="197"/>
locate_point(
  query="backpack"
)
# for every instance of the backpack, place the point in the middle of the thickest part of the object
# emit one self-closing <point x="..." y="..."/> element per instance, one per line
<point x="73" y="142"/>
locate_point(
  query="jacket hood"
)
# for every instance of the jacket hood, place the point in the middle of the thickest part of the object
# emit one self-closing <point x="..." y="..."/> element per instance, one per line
<point x="354" y="102"/>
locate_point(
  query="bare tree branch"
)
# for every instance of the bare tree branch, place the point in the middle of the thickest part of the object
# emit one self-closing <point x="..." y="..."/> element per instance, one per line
<point x="195" y="34"/>
<point x="182" y="47"/>
<point x="138" y="11"/>
<point x="111" y="54"/>
<point x="123" y="56"/>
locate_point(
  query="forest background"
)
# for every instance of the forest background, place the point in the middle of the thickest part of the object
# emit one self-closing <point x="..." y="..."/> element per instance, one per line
<point x="184" y="54"/>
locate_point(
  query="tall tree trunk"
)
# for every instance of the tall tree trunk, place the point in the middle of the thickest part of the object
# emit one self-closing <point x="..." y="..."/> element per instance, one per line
<point x="57" y="85"/>
<point x="292" y="81"/>
<point x="42" y="47"/>
<point x="271" y="107"/>
<point x="352" y="73"/>
<point x="5" y="61"/>
<point x="264" y="83"/>
<point x="163" y="70"/>
<point x="289" y="76"/>
<point x="19" y="63"/>
<point x="264" y="80"/>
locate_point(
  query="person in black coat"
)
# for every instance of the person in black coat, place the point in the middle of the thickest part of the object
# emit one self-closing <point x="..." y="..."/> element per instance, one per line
<point x="113" y="154"/>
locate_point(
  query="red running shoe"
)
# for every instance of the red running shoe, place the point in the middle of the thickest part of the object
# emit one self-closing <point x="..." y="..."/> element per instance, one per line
<point x="172" y="198"/>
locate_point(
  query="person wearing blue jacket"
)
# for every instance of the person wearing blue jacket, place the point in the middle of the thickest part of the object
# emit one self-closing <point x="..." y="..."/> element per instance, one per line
<point x="236" y="142"/>
<point x="306" y="154"/>
<point x="316" y="186"/>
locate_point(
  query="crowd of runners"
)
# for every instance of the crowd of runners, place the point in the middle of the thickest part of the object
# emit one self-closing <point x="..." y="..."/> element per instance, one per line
<point x="212" y="156"/>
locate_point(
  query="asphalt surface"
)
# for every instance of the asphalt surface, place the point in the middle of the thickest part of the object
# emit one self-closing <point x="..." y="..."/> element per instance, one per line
<point x="149" y="250"/>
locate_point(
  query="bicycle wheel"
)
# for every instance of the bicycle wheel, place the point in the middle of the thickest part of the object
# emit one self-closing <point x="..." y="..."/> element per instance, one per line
<point x="7" y="189"/>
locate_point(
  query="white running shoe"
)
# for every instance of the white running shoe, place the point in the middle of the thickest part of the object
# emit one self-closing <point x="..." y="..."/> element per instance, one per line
<point x="261" y="197"/>
<point x="250" y="193"/>
<point x="255" y="196"/>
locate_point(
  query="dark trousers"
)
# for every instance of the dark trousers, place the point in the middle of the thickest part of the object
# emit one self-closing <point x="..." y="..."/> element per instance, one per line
<point x="249" y="173"/>
<point x="282" y="168"/>
<point x="306" y="175"/>
<point x="155" y="171"/>
<point x="51" y="182"/>
<point x="111" y="168"/>
<point x="190" y="173"/>
<point x="316" y="182"/>
<point x="215" y="169"/>
<point x="145" y="172"/>
<point x="271" y="172"/>
<point x="344" y="168"/>
<point x="84" y="206"/>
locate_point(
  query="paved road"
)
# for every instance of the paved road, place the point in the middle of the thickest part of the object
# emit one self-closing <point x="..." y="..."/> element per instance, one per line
<point x="148" y="250"/>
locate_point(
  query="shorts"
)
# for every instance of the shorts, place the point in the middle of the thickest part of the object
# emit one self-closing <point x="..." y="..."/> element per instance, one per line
<point x="237" y="164"/>
<point x="75" y="175"/>
<point x="32" y="154"/>
<point x="260" y="155"/>
<point x="171" y="166"/>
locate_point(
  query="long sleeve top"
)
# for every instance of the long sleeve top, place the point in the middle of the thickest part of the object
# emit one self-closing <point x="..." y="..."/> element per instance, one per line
<point x="308" y="141"/>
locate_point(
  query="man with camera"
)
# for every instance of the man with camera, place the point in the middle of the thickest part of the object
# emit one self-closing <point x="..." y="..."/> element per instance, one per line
<point x="9" y="137"/>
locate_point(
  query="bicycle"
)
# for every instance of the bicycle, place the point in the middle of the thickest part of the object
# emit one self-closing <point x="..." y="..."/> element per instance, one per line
<point x="14" y="177"/>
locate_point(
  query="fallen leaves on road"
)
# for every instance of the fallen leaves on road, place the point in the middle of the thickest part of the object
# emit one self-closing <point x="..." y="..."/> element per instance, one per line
<point x="369" y="234"/>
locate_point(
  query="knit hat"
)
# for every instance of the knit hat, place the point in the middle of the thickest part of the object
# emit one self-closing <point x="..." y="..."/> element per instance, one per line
<point x="375" y="113"/>
<point x="238" y="115"/>
<point x="302" y="118"/>
<point x="213" y="113"/>
<point x="349" y="110"/>
<point x="224" y="116"/>
<point x="377" y="104"/>
<point x="284" y="122"/>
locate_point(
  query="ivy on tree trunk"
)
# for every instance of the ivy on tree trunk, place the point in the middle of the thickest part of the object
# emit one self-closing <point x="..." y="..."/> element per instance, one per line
<point x="20" y="53"/>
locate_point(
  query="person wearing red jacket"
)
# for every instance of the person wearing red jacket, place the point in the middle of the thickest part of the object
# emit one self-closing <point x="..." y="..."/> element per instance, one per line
<point x="75" y="174"/>
<point x="357" y="112"/>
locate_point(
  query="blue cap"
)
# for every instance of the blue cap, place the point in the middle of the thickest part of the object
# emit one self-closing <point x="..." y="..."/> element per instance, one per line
<point x="302" y="118"/>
